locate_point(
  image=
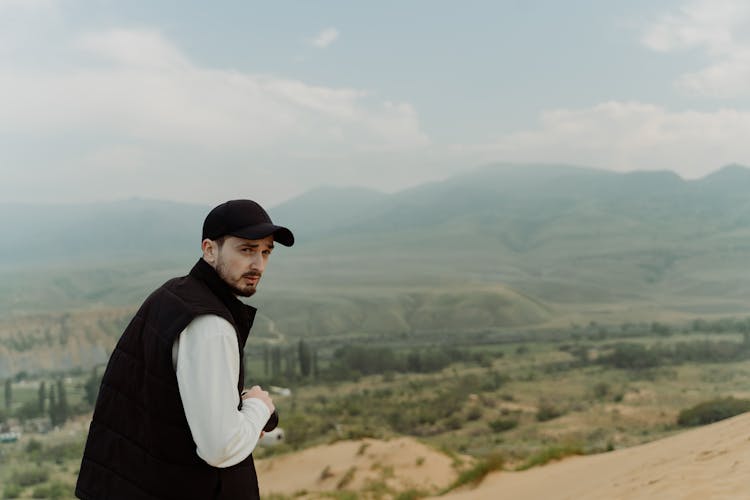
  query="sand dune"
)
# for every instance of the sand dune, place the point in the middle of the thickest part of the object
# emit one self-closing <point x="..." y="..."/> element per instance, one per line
<point x="708" y="463"/>
<point x="400" y="464"/>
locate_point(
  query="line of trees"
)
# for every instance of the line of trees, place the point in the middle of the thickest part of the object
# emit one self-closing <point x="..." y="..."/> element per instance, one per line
<point x="354" y="360"/>
<point x="52" y="402"/>
<point x="289" y="362"/>
<point x="635" y="356"/>
<point x="283" y="364"/>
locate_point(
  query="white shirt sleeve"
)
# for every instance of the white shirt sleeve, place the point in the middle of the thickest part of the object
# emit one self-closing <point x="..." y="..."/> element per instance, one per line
<point x="206" y="358"/>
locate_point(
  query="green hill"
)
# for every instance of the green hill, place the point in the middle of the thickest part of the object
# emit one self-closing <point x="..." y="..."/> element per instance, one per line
<point x="64" y="235"/>
<point x="562" y="234"/>
<point x="498" y="249"/>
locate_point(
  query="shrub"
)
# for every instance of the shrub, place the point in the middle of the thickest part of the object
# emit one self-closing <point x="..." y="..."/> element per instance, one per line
<point x="503" y="424"/>
<point x="325" y="473"/>
<point x="547" y="411"/>
<point x="474" y="413"/>
<point x="631" y="356"/>
<point x="712" y="411"/>
<point x="454" y="422"/>
<point x="362" y="448"/>
<point x="33" y="446"/>
<point x="601" y="390"/>
<point x="12" y="490"/>
<point x="552" y="453"/>
<point x="30" y="476"/>
<point x="346" y="479"/>
<point x="492" y="381"/>
<point x="59" y="453"/>
<point x="411" y="494"/>
<point x="479" y="471"/>
<point x="53" y="491"/>
<point x="343" y="495"/>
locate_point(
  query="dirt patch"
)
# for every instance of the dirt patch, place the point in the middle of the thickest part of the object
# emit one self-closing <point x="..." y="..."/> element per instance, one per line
<point x="369" y="464"/>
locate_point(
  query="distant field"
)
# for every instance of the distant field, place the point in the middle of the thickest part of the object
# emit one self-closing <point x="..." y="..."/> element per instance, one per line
<point x="528" y="397"/>
<point x="530" y="313"/>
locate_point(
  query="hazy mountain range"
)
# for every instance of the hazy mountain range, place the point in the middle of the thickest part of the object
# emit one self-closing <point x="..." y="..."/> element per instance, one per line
<point x="499" y="249"/>
<point x="556" y="233"/>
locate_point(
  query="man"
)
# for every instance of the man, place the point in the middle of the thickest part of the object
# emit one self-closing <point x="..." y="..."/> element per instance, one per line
<point x="172" y="419"/>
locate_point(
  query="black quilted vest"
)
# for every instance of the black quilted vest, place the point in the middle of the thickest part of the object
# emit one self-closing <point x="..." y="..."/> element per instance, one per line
<point x="139" y="444"/>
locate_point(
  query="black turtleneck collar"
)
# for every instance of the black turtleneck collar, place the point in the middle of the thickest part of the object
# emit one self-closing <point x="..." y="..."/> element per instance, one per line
<point x="242" y="313"/>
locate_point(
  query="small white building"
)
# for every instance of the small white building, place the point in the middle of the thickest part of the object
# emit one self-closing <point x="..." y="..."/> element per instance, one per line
<point x="280" y="391"/>
<point x="272" y="438"/>
<point x="10" y="437"/>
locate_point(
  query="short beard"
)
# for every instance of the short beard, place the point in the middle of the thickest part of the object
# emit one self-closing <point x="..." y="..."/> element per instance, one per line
<point x="241" y="292"/>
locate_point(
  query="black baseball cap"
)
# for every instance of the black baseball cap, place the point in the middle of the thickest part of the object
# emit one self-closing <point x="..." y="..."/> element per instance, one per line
<point x="245" y="219"/>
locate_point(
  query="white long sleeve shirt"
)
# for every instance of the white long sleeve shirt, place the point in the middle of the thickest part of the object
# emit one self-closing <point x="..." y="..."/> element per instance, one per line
<point x="207" y="363"/>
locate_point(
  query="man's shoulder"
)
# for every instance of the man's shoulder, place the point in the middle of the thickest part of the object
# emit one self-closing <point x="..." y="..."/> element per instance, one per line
<point x="191" y="293"/>
<point x="211" y="324"/>
<point x="174" y="287"/>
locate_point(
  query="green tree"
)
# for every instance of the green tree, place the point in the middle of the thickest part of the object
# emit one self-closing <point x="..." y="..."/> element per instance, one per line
<point x="713" y="411"/>
<point x="62" y="401"/>
<point x="42" y="395"/>
<point x="52" y="406"/>
<point x="660" y="329"/>
<point x="91" y="387"/>
<point x="365" y="360"/>
<point x="305" y="358"/>
<point x="28" y="410"/>
<point x="631" y="356"/>
<point x="246" y="363"/>
<point x="276" y="361"/>
<point x="414" y="362"/>
<point x="8" y="394"/>
<point x="291" y="362"/>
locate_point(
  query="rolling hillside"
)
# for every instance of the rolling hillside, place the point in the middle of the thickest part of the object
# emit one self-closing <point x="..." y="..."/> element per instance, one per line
<point x="560" y="234"/>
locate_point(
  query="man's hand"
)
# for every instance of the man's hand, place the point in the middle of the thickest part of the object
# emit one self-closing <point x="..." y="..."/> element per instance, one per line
<point x="256" y="392"/>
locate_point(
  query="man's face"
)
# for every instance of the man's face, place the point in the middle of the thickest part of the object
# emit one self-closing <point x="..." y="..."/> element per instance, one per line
<point x="239" y="262"/>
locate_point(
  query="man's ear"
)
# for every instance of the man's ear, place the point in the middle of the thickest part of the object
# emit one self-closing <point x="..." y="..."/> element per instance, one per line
<point x="210" y="251"/>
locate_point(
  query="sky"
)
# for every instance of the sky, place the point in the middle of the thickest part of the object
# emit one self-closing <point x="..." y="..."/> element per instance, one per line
<point x="201" y="102"/>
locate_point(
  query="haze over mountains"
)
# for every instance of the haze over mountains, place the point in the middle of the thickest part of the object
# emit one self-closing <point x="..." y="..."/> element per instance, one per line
<point x="556" y="233"/>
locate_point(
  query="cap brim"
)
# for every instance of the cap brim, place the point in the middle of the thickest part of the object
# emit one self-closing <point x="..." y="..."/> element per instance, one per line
<point x="258" y="231"/>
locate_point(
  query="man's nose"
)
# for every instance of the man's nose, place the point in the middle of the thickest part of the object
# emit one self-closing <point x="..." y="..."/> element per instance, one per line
<point x="258" y="264"/>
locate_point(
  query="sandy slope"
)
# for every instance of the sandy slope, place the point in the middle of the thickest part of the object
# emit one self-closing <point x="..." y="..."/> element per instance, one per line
<point x="708" y="463"/>
<point x="401" y="463"/>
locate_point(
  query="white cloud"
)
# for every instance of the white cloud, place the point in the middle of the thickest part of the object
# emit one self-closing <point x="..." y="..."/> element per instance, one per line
<point x="701" y="23"/>
<point x="126" y="112"/>
<point x="628" y="136"/>
<point x="21" y="22"/>
<point x="716" y="27"/>
<point x="149" y="90"/>
<point x="325" y="38"/>
<point x="27" y="5"/>
<point x="132" y="106"/>
<point x="142" y="48"/>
